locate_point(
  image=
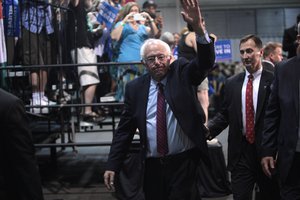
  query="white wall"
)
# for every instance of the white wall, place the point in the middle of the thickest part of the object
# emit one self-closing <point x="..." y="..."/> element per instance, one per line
<point x="232" y="19"/>
<point x="234" y="23"/>
<point x="208" y="4"/>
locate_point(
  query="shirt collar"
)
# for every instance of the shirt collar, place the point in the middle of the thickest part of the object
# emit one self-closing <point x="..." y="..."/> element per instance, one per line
<point x="267" y="61"/>
<point x="164" y="81"/>
<point x="255" y="74"/>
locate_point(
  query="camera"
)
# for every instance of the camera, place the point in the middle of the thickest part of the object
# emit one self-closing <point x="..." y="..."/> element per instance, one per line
<point x="138" y="17"/>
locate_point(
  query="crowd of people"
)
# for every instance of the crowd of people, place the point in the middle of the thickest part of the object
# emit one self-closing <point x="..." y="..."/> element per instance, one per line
<point x="165" y="82"/>
<point x="102" y="31"/>
<point x="81" y="32"/>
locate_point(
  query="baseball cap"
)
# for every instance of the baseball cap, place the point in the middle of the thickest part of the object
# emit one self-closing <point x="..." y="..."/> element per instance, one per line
<point x="147" y="4"/>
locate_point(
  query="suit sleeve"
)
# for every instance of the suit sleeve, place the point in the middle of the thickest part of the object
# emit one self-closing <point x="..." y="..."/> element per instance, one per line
<point x="198" y="69"/>
<point x="124" y="134"/>
<point x="271" y="121"/>
<point x="221" y="119"/>
<point x="20" y="153"/>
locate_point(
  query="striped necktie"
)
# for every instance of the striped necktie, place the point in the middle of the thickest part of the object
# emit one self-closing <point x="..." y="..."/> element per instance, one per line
<point x="161" y="122"/>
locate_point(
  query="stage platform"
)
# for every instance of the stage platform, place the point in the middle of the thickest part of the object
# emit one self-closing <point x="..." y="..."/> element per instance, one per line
<point x="77" y="175"/>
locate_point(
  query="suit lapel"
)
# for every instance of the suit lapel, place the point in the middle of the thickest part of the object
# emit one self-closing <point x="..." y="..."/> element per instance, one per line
<point x="296" y="82"/>
<point x="168" y="95"/>
<point x="144" y="92"/>
<point x="238" y="97"/>
<point x="264" y="88"/>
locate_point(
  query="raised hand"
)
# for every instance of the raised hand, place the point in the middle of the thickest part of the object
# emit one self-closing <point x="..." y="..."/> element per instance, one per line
<point x="129" y="17"/>
<point x="192" y="15"/>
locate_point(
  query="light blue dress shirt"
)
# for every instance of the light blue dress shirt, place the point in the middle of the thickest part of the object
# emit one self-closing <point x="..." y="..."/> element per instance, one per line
<point x="177" y="140"/>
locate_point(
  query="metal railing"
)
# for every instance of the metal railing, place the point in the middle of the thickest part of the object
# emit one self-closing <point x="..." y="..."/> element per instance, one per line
<point x="16" y="76"/>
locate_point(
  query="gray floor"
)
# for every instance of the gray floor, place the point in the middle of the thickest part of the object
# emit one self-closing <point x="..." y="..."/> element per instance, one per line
<point x="78" y="175"/>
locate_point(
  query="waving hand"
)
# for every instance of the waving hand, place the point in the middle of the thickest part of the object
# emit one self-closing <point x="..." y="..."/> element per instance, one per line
<point x="192" y="15"/>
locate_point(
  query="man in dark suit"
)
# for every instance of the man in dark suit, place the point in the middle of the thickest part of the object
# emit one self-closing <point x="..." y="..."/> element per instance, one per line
<point x="272" y="55"/>
<point x="289" y="42"/>
<point x="281" y="141"/>
<point x="169" y="157"/>
<point x="19" y="177"/>
<point x="245" y="99"/>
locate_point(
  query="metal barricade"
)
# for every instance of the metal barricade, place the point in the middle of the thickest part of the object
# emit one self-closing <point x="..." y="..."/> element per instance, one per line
<point x="25" y="61"/>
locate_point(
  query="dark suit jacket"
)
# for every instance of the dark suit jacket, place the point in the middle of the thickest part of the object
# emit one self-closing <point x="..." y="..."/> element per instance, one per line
<point x="268" y="66"/>
<point x="180" y="95"/>
<point x="288" y="42"/>
<point x="19" y="177"/>
<point x="282" y="115"/>
<point x="231" y="114"/>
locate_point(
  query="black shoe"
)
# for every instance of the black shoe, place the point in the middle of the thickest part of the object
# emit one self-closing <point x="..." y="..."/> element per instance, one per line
<point x="92" y="117"/>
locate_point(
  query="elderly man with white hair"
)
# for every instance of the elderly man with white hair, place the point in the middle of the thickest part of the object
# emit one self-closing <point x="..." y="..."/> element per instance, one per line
<point x="163" y="106"/>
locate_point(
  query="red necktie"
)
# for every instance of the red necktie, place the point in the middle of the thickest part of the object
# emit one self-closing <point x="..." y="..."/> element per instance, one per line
<point x="161" y="122"/>
<point x="249" y="111"/>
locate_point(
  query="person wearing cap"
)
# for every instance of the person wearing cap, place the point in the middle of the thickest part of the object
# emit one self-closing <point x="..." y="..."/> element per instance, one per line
<point x="151" y="8"/>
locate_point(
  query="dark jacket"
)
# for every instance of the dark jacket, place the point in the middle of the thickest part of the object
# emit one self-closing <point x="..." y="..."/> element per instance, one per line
<point x="282" y="116"/>
<point x="231" y="114"/>
<point x="268" y="66"/>
<point x="181" y="97"/>
<point x="19" y="177"/>
<point x="288" y="42"/>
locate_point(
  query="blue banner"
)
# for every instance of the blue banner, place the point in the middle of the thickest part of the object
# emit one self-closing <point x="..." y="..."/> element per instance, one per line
<point x="223" y="50"/>
<point x="107" y="14"/>
<point x="11" y="18"/>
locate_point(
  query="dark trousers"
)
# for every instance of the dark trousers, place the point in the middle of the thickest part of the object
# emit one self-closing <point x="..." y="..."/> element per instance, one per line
<point x="171" y="177"/>
<point x="290" y="190"/>
<point x="247" y="172"/>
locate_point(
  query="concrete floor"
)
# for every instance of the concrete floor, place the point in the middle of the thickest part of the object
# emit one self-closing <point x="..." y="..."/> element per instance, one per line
<point x="78" y="175"/>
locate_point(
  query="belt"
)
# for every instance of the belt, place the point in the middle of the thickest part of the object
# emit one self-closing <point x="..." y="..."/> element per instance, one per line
<point x="174" y="158"/>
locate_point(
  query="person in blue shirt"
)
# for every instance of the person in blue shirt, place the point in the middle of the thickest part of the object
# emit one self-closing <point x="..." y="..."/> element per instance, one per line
<point x="130" y="33"/>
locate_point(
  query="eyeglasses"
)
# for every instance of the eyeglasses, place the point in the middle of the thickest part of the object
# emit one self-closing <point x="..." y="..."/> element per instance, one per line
<point x="152" y="59"/>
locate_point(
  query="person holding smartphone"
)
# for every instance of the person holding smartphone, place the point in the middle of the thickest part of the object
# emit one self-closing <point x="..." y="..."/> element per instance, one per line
<point x="151" y="8"/>
<point x="128" y="34"/>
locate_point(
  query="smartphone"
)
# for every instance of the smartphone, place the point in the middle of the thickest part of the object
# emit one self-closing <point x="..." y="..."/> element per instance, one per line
<point x="138" y="17"/>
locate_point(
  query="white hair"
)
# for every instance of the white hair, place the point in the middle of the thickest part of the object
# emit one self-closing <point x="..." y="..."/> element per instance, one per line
<point x="155" y="42"/>
<point x="168" y="38"/>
